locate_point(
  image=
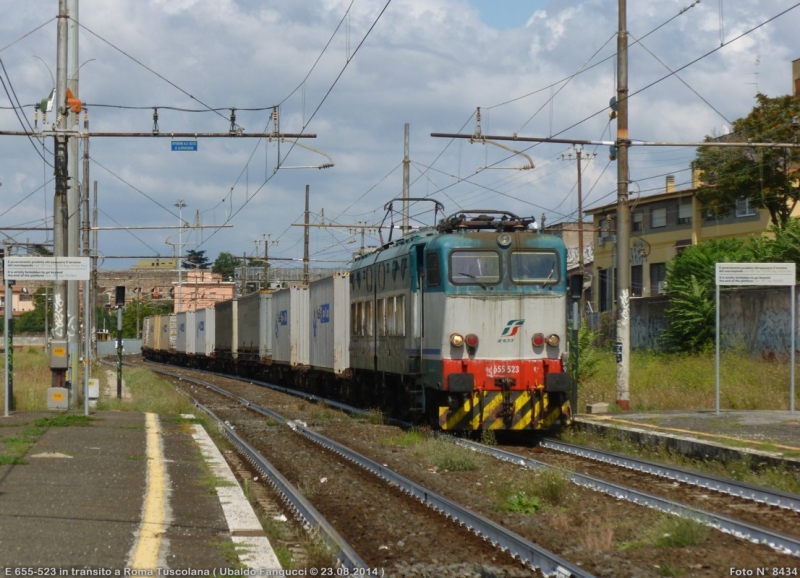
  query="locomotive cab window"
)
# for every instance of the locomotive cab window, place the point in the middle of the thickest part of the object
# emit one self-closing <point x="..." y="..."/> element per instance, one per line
<point x="474" y="267"/>
<point x="534" y="267"/>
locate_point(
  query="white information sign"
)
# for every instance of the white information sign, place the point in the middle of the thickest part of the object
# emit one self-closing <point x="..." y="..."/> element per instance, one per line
<point x="772" y="274"/>
<point x="47" y="268"/>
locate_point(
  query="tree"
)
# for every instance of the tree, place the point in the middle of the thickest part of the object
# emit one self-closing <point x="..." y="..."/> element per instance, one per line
<point x="690" y="286"/>
<point x="763" y="176"/>
<point x="226" y="264"/>
<point x="33" y="321"/>
<point x="195" y="260"/>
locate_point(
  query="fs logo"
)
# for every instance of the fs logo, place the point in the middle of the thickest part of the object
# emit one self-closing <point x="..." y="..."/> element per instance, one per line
<point x="511" y="330"/>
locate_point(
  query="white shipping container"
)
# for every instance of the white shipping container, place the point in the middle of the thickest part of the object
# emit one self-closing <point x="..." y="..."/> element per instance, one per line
<point x="226" y="328"/>
<point x="161" y="333"/>
<point x="255" y="325"/>
<point x="186" y="332"/>
<point x="173" y="332"/>
<point x="204" y="331"/>
<point x="290" y="326"/>
<point x="329" y="323"/>
<point x="147" y="332"/>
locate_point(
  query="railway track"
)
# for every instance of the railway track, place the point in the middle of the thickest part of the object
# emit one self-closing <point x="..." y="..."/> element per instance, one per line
<point x="760" y="555"/>
<point x="475" y="541"/>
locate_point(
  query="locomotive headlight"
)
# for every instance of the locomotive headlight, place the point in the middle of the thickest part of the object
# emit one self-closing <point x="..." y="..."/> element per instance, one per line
<point x="504" y="239"/>
<point x="456" y="340"/>
<point x="537" y="339"/>
<point x="552" y="340"/>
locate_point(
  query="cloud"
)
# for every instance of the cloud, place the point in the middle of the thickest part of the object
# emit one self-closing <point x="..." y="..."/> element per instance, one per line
<point x="427" y="64"/>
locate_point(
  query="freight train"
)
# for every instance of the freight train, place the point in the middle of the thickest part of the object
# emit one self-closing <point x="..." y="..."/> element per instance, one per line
<point x="463" y="325"/>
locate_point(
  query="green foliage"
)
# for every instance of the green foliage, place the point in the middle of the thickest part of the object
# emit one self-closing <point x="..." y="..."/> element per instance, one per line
<point x="33" y="321"/>
<point x="226" y="264"/>
<point x="762" y="175"/>
<point x="587" y="352"/>
<point x="676" y="532"/>
<point x="521" y="503"/>
<point x="195" y="259"/>
<point x="691" y="285"/>
<point x="691" y="281"/>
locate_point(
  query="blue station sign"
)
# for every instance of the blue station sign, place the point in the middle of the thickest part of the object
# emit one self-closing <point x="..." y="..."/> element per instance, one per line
<point x="184" y="145"/>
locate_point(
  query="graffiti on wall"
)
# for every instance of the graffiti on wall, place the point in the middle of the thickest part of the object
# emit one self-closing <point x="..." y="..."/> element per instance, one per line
<point x="758" y="322"/>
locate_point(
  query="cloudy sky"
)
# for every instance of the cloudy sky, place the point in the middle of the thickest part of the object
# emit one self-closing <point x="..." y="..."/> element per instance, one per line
<point x="353" y="72"/>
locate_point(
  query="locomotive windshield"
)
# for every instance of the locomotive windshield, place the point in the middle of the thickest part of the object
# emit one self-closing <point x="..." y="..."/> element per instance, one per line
<point x="534" y="267"/>
<point x="474" y="267"/>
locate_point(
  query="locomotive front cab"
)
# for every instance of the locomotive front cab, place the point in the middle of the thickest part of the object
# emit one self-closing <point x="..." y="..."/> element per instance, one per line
<point x="495" y="342"/>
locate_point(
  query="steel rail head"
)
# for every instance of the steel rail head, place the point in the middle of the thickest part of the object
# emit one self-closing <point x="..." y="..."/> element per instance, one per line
<point x="303" y="510"/>
<point x="536" y="557"/>
<point x="760" y="494"/>
<point x="780" y="542"/>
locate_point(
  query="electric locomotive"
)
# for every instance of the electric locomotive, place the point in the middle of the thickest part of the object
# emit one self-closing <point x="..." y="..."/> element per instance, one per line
<point x="466" y="323"/>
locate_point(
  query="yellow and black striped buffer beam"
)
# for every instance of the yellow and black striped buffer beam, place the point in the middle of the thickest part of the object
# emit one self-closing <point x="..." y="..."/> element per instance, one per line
<point x="512" y="410"/>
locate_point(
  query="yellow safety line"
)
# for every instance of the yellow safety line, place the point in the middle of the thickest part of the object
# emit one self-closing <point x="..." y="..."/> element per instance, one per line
<point x="699" y="433"/>
<point x="145" y="553"/>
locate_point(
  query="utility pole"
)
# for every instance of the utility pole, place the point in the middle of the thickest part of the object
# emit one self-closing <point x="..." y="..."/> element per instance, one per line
<point x="73" y="205"/>
<point x="305" y="242"/>
<point x="623" y="346"/>
<point x="581" y="268"/>
<point x="406" y="165"/>
<point x="180" y="204"/>
<point x="267" y="243"/>
<point x="95" y="276"/>
<point x="60" y="206"/>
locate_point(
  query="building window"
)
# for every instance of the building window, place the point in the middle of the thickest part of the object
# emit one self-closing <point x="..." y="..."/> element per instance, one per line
<point x="637" y="280"/>
<point x="658" y="217"/>
<point x="743" y="207"/>
<point x="638" y="221"/>
<point x="685" y="213"/>
<point x="658" y="274"/>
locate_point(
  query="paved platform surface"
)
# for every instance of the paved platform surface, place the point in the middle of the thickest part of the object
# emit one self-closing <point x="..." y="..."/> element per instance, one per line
<point x="774" y="435"/>
<point x="125" y="490"/>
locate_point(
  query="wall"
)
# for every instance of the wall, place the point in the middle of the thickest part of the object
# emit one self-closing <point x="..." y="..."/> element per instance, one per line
<point x="757" y="319"/>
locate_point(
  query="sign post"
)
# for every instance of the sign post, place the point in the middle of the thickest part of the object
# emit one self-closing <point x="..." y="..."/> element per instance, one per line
<point x="754" y="274"/>
<point x="52" y="269"/>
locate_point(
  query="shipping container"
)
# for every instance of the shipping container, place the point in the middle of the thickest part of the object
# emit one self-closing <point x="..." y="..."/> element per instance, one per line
<point x="329" y="324"/>
<point x="226" y="334"/>
<point x="185" y="343"/>
<point x="290" y="326"/>
<point x="204" y="331"/>
<point x="147" y="333"/>
<point x="255" y="335"/>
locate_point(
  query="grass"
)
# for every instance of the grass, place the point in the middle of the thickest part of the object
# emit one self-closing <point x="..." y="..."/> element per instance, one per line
<point x="412" y="437"/>
<point x="660" y="381"/>
<point x="32" y="379"/>
<point x="544" y="488"/>
<point x="448" y="457"/>
<point x="671" y="532"/>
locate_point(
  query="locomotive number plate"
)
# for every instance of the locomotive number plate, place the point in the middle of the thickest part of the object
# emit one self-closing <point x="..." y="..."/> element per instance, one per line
<point x="505" y="369"/>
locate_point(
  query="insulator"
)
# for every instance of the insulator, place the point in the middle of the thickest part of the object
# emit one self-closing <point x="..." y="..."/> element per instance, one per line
<point x="36" y="116"/>
<point x="155" y="121"/>
<point x="85" y="119"/>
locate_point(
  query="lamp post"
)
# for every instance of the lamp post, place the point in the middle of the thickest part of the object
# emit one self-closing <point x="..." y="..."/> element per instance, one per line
<point x="180" y="204"/>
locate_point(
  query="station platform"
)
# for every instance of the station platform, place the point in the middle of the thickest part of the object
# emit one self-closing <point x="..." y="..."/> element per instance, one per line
<point x="771" y="437"/>
<point x="124" y="490"/>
